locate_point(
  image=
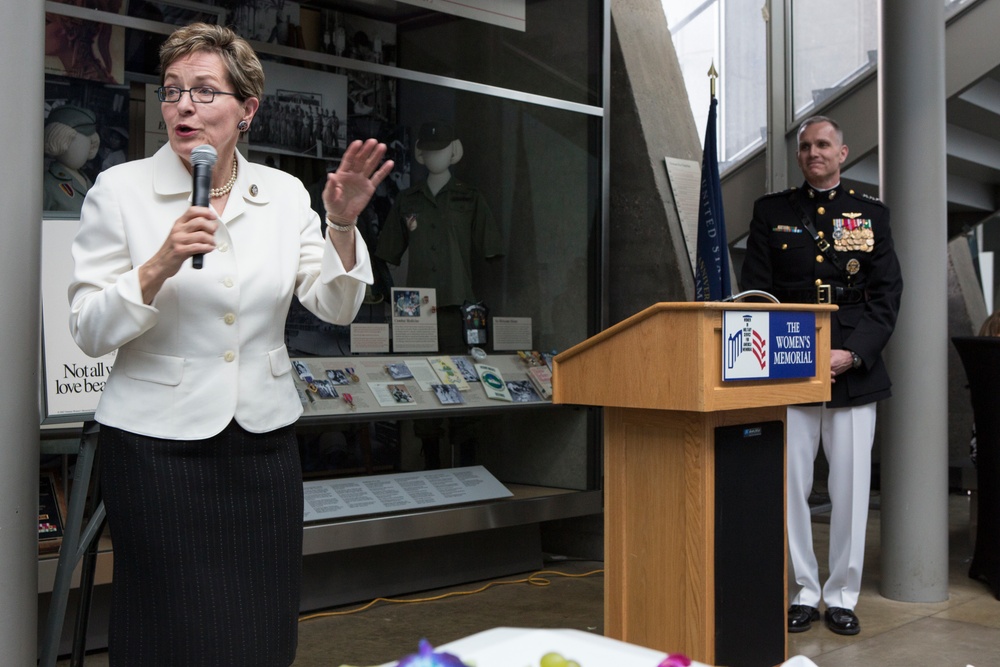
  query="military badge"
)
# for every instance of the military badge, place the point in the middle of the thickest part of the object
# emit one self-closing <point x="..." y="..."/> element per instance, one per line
<point x="853" y="266"/>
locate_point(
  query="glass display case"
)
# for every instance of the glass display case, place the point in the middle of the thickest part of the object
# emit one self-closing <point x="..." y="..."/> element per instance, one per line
<point x="520" y="103"/>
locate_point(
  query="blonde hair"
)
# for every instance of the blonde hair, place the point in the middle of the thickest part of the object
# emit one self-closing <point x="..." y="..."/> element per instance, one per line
<point x="241" y="61"/>
<point x="991" y="327"/>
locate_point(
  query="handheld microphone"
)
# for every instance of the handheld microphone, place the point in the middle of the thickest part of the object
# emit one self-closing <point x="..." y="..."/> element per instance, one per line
<point x="202" y="160"/>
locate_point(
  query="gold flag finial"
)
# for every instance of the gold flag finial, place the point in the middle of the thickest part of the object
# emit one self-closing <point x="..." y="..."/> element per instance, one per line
<point x="713" y="74"/>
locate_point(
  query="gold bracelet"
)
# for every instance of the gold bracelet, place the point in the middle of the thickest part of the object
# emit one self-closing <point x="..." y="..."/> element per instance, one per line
<point x="340" y="228"/>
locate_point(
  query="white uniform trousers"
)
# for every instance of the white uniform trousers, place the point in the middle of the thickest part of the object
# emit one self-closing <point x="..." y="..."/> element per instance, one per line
<point x="847" y="435"/>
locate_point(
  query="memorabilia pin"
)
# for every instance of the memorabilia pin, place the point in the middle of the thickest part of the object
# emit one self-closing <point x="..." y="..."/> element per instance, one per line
<point x="253" y="190"/>
<point x="852" y="216"/>
<point x="349" y="400"/>
<point x="853" y="266"/>
<point x="353" y="376"/>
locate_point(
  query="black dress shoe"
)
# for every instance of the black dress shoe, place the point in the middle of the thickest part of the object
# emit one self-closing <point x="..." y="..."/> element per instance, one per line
<point x="801" y="617"/>
<point x="842" y="621"/>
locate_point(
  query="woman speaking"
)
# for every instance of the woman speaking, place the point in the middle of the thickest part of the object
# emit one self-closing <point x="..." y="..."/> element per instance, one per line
<point x="199" y="461"/>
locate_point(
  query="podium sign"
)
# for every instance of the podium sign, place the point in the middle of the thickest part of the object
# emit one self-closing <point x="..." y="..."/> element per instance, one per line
<point x="766" y="345"/>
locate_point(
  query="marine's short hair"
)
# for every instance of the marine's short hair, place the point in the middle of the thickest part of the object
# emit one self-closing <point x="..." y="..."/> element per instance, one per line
<point x="812" y="120"/>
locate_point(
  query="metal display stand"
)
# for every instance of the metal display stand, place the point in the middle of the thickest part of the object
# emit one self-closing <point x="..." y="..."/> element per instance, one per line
<point x="79" y="547"/>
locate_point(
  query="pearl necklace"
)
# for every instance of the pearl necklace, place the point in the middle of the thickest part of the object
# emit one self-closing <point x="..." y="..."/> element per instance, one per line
<point x="224" y="190"/>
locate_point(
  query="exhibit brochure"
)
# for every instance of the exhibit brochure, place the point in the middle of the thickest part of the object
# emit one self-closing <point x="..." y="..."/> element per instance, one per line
<point x="541" y="378"/>
<point x="493" y="383"/>
<point x="422" y="373"/>
<point x="390" y="394"/>
<point x="448" y="394"/>
<point x="448" y="372"/>
<point x="522" y="391"/>
<point x="399" y="371"/>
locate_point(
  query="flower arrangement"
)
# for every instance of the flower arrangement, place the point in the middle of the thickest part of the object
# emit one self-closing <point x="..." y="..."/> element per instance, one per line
<point x="426" y="657"/>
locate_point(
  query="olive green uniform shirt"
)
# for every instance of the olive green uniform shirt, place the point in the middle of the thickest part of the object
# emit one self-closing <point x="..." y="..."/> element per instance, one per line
<point x="444" y="233"/>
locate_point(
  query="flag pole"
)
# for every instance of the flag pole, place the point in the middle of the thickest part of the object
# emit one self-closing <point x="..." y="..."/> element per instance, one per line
<point x="711" y="279"/>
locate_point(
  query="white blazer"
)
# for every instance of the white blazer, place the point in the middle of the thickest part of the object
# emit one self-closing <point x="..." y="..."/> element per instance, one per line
<point x="211" y="346"/>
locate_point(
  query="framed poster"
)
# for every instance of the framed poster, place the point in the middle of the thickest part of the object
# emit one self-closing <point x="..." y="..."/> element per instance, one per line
<point x="301" y="113"/>
<point x="71" y="381"/>
<point x="85" y="49"/>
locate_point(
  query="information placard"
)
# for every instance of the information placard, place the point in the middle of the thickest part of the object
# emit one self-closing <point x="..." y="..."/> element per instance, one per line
<point x="375" y="494"/>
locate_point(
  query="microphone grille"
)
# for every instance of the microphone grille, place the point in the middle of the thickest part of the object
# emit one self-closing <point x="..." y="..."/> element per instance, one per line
<point x="204" y="154"/>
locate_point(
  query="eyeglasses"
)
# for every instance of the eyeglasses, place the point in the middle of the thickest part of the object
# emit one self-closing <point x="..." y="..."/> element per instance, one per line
<point x="201" y="95"/>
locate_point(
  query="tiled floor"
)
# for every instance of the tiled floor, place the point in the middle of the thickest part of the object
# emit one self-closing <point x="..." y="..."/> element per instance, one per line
<point x="964" y="630"/>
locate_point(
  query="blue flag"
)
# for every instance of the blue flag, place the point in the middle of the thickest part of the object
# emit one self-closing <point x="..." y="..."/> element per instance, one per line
<point x="711" y="280"/>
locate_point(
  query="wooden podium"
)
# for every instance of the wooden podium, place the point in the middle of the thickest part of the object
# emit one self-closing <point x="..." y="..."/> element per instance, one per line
<point x="694" y="481"/>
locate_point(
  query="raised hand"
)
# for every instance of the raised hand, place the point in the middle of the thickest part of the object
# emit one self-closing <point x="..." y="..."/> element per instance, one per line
<point x="349" y="189"/>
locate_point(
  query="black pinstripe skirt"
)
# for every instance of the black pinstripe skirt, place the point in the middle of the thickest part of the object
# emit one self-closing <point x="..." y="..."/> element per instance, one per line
<point x="207" y="539"/>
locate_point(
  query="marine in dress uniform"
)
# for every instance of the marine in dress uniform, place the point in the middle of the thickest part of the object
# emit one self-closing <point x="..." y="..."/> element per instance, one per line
<point x="847" y="259"/>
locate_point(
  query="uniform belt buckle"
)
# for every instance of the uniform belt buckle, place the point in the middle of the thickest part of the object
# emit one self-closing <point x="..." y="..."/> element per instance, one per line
<point x="824" y="294"/>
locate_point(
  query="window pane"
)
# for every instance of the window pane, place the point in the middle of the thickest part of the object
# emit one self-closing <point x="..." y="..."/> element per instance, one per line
<point x="743" y="99"/>
<point x="833" y="43"/>
<point x="696" y="43"/>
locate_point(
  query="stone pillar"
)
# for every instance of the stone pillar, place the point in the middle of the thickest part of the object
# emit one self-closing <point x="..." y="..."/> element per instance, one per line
<point x="650" y="119"/>
<point x="776" y="155"/>
<point x="914" y="471"/>
<point x="22" y="82"/>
